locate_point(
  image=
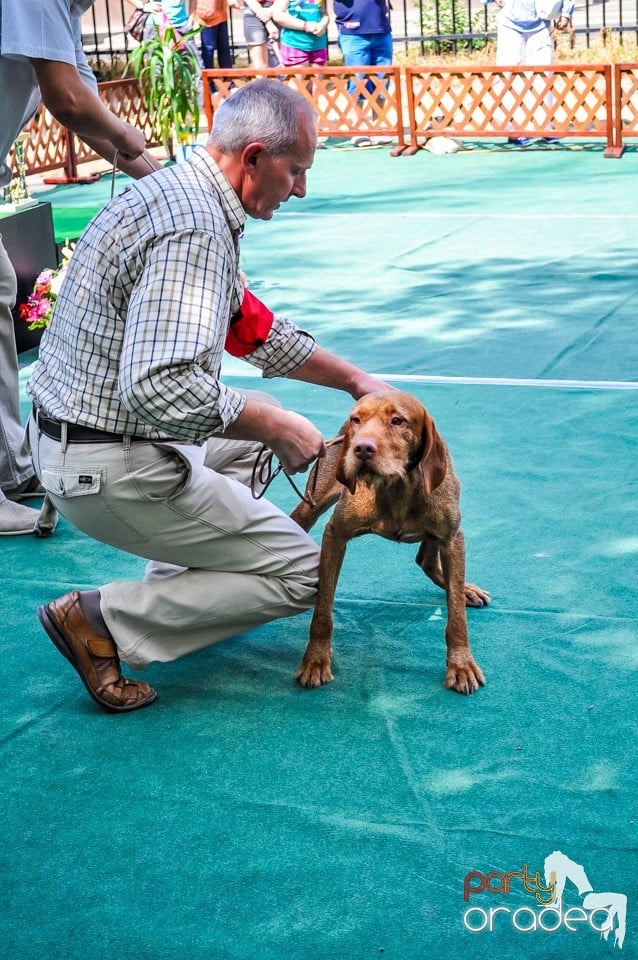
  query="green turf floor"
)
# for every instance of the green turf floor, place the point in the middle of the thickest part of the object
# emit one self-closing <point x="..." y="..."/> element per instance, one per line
<point x="241" y="818"/>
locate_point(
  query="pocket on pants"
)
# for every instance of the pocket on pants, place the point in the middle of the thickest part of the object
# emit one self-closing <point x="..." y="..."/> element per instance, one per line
<point x="161" y="470"/>
<point x="67" y="484"/>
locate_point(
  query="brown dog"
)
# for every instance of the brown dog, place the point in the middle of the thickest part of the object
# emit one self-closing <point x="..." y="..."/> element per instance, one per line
<point x="391" y="474"/>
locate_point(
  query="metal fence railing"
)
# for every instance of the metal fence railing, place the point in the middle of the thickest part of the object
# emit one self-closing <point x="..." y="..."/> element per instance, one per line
<point x="422" y="26"/>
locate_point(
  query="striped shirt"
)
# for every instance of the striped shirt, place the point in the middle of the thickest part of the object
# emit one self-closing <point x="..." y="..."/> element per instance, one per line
<point x="137" y="335"/>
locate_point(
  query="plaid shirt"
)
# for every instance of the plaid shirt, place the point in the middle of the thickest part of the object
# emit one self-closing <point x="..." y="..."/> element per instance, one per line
<point x="137" y="336"/>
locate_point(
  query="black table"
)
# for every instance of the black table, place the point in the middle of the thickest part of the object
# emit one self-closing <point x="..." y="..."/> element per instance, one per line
<point x="29" y="240"/>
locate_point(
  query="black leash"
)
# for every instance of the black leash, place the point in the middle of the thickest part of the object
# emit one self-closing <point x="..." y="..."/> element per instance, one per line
<point x="116" y="157"/>
<point x="263" y="474"/>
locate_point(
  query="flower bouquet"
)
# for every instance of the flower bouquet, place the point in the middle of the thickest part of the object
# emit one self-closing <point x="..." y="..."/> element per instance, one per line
<point x="38" y="309"/>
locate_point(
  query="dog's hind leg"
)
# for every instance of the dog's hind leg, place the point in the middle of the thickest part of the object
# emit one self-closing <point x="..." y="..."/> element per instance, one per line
<point x="429" y="559"/>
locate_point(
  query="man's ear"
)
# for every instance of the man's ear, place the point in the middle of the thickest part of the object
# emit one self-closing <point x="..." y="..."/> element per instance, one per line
<point x="251" y="154"/>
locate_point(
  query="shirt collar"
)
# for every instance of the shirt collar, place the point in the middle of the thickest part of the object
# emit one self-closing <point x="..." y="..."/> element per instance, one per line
<point x="201" y="159"/>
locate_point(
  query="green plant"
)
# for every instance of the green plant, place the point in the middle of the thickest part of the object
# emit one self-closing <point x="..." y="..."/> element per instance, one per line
<point x="452" y="19"/>
<point x="168" y="72"/>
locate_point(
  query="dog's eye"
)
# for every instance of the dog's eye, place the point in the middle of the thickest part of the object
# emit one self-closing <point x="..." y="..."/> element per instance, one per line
<point x="397" y="421"/>
<point x="355" y="419"/>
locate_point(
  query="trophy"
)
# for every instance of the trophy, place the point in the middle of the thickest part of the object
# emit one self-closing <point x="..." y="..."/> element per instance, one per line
<point x="16" y="194"/>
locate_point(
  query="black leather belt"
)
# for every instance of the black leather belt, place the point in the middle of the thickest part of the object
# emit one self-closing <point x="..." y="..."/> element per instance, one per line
<point x="75" y="432"/>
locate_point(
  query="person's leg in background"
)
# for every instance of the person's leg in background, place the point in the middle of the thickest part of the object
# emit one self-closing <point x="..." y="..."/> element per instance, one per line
<point x="510" y="52"/>
<point x="256" y="37"/>
<point x="208" y="37"/>
<point x="380" y="56"/>
<point x="356" y="53"/>
<point x="539" y="49"/>
<point x="16" y="469"/>
<point x="510" y="46"/>
<point x="356" y="50"/>
<point x="222" y="42"/>
<point x="216" y="39"/>
<point x="381" y="49"/>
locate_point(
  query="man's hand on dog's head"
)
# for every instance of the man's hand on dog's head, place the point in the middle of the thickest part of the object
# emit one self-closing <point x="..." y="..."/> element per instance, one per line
<point x="368" y="383"/>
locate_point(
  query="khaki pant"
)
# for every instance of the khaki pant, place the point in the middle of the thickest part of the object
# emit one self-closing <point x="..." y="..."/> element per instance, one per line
<point x="221" y="561"/>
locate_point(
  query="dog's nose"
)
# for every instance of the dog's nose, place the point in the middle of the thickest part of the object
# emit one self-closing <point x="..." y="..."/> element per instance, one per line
<point x="365" y="449"/>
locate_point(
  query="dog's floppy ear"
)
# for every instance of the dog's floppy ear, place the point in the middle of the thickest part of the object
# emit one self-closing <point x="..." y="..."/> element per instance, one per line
<point x="348" y="481"/>
<point x="434" y="459"/>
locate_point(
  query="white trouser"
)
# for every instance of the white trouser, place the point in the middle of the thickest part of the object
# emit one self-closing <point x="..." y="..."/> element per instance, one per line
<point x="516" y="47"/>
<point x="521" y="47"/>
<point x="223" y="561"/>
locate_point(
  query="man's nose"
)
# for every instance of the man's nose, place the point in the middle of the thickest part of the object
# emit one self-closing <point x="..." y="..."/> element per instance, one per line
<point x="299" y="189"/>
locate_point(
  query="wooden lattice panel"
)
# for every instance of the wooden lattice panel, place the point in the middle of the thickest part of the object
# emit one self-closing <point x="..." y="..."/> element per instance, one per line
<point x="489" y="101"/>
<point x="627" y="92"/>
<point x="45" y="145"/>
<point x="568" y="100"/>
<point x="124" y="99"/>
<point x="348" y="102"/>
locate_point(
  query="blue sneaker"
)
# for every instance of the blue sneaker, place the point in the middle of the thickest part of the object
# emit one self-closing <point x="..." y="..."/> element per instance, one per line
<point x="520" y="141"/>
<point x="551" y="139"/>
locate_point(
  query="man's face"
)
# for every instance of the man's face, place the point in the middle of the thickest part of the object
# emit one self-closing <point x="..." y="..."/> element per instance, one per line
<point x="270" y="181"/>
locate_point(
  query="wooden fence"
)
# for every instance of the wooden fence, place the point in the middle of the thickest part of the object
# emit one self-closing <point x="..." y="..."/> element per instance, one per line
<point x="49" y="146"/>
<point x="473" y="102"/>
<point x="625" y="103"/>
<point x="368" y="101"/>
<point x="410" y="105"/>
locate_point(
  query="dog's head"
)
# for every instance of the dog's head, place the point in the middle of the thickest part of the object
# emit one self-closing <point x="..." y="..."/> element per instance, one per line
<point x="386" y="437"/>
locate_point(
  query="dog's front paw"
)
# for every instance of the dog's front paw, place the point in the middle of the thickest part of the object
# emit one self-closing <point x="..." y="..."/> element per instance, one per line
<point x="475" y="596"/>
<point x="464" y="676"/>
<point x="314" y="672"/>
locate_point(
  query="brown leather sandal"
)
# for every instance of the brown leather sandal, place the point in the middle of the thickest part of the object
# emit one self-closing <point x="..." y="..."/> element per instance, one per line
<point x="94" y="658"/>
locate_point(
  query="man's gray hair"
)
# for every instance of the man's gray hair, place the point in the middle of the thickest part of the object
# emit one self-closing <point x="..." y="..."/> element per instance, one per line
<point x="266" y="110"/>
